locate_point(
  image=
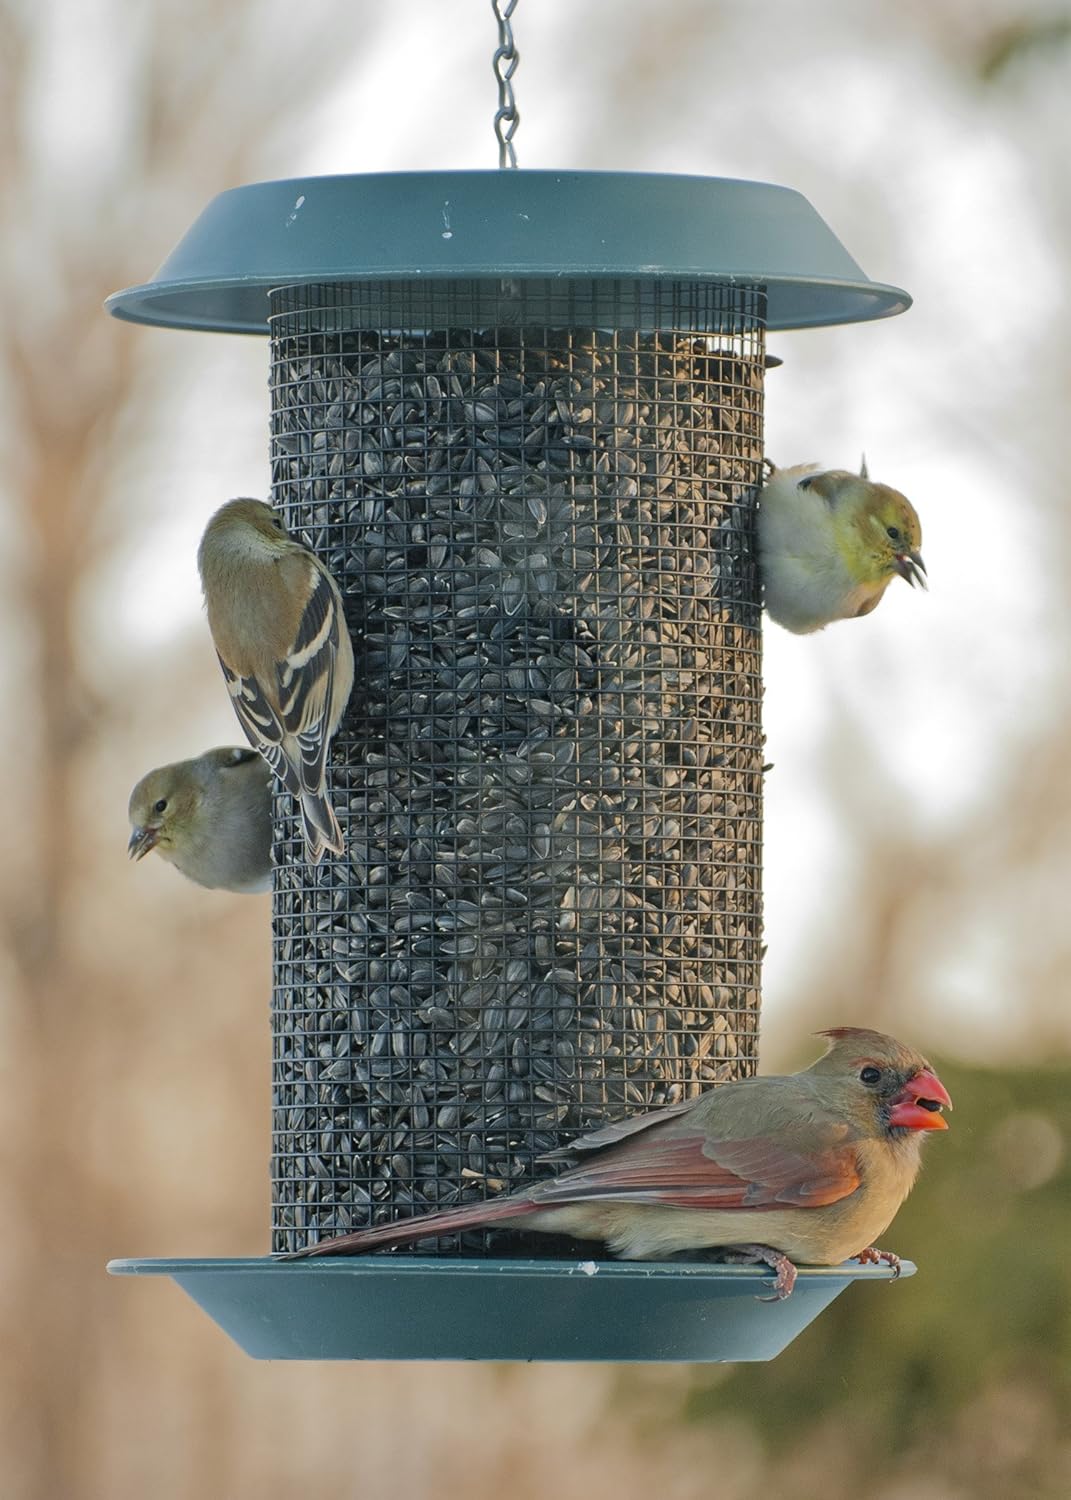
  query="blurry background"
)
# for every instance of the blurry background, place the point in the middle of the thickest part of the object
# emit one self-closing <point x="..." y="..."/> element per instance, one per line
<point x="918" y="814"/>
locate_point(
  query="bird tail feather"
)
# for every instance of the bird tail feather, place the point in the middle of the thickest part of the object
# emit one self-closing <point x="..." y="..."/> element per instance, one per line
<point x="423" y="1227"/>
<point x="320" y="826"/>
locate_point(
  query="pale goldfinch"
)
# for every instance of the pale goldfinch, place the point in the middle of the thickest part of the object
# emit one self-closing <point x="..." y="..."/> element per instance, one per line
<point x="279" y="628"/>
<point x="209" y="817"/>
<point x="830" y="543"/>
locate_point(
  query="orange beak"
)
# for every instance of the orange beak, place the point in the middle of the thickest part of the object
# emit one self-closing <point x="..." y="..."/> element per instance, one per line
<point x="919" y="1103"/>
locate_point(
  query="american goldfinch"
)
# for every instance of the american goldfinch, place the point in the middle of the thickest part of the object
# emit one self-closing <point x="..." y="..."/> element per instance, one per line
<point x="209" y="817"/>
<point x="830" y="543"/>
<point x="279" y="628"/>
<point x="811" y="1167"/>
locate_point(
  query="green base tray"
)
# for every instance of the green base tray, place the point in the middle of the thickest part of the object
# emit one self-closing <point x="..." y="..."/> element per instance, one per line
<point x="412" y="1307"/>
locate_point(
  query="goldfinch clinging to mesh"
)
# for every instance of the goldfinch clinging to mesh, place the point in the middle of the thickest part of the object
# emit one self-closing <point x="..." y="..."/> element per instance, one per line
<point x="279" y="628"/>
<point x="830" y="543"/>
<point x="210" y="817"/>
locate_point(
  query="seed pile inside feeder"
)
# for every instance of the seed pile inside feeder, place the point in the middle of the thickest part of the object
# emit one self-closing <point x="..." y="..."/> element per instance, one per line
<point x="549" y="776"/>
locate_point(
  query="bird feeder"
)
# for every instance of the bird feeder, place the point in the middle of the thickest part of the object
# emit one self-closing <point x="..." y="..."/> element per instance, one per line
<point x="520" y="415"/>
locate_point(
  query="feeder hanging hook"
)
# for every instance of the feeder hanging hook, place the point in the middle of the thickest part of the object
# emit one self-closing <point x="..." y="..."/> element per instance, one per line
<point x="504" y="64"/>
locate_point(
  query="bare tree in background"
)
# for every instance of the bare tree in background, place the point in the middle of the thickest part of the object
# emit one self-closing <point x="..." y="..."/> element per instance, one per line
<point x="930" y="900"/>
<point x="117" y="124"/>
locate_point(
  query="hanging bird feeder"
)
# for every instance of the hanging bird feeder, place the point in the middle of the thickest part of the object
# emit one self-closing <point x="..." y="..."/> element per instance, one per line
<point x="520" y="416"/>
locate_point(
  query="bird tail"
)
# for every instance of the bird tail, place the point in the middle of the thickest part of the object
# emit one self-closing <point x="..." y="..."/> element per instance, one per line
<point x="422" y="1227"/>
<point x="319" y="824"/>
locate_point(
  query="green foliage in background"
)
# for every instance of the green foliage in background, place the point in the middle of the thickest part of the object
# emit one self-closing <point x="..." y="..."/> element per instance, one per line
<point x="963" y="1371"/>
<point x="991" y="1296"/>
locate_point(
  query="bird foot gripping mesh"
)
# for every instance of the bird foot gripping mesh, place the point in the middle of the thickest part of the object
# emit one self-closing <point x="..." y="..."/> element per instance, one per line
<point x="538" y="500"/>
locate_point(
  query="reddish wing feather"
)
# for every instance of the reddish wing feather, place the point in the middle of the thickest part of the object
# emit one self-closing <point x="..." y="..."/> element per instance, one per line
<point x="671" y="1173"/>
<point x="807" y="1178"/>
<point x="613" y="1135"/>
<point x="683" y="1173"/>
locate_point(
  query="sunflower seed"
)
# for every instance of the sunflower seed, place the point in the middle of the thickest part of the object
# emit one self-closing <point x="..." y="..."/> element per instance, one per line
<point x="549" y="775"/>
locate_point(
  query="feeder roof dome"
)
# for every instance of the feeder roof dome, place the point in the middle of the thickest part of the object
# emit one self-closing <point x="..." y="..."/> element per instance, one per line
<point x="449" y="226"/>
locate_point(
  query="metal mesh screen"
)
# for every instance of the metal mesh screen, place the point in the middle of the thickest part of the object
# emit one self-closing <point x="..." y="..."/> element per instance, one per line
<point x="549" y="777"/>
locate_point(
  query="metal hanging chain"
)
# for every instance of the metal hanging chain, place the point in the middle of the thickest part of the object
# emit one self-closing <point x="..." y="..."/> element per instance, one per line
<point x="504" y="64"/>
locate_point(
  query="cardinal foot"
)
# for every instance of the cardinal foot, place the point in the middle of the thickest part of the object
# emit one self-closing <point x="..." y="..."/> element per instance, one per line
<point x="872" y="1257"/>
<point x="785" y="1278"/>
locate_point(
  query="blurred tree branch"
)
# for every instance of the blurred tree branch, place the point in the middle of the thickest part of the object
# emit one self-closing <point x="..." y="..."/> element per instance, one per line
<point x="1024" y="40"/>
<point x="195" y="97"/>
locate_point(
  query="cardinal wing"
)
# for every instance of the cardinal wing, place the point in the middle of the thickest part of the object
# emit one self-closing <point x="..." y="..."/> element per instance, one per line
<point x="611" y="1135"/>
<point x="694" y="1171"/>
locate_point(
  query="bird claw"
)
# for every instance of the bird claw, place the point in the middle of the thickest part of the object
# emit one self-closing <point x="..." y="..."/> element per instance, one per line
<point x="783" y="1282"/>
<point x="785" y="1278"/>
<point x="872" y="1257"/>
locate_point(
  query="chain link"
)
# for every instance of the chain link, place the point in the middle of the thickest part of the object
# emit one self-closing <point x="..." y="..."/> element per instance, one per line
<point x="504" y="64"/>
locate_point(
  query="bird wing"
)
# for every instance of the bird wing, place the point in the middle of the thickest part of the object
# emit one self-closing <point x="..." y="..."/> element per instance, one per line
<point x="291" y="711"/>
<point x="666" y="1172"/>
<point x="697" y="1171"/>
<point x="232" y="757"/>
<point x="305" y="679"/>
<point x="610" y="1135"/>
<point x="261" y="723"/>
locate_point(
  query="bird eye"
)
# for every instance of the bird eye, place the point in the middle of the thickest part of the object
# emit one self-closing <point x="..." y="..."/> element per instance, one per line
<point x="160" y="805"/>
<point x="893" y="533"/>
<point x="870" y="1075"/>
<point x="806" y="482"/>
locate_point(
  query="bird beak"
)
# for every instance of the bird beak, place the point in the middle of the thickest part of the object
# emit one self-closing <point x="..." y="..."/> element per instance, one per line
<point x="919" y="1103"/>
<point x="910" y="566"/>
<point x="141" y="841"/>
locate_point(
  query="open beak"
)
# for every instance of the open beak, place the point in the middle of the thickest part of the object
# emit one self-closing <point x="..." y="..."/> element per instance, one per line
<point x="141" y="841"/>
<point x="919" y="1103"/>
<point x="910" y="566"/>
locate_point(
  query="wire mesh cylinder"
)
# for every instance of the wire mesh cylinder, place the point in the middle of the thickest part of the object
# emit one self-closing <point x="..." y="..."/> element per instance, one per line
<point x="538" y="499"/>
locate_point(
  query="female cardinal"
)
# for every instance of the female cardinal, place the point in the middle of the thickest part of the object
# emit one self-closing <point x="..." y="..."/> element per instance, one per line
<point x="810" y="1167"/>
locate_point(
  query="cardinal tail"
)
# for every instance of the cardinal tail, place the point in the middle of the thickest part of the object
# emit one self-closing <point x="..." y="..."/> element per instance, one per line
<point x="423" y="1227"/>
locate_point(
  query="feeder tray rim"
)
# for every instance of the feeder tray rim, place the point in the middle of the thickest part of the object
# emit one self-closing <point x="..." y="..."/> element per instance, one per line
<point x="418" y="1307"/>
<point x="519" y="1268"/>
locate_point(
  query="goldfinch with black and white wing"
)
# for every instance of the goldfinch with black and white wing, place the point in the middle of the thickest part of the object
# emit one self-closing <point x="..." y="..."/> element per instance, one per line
<point x="279" y="627"/>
